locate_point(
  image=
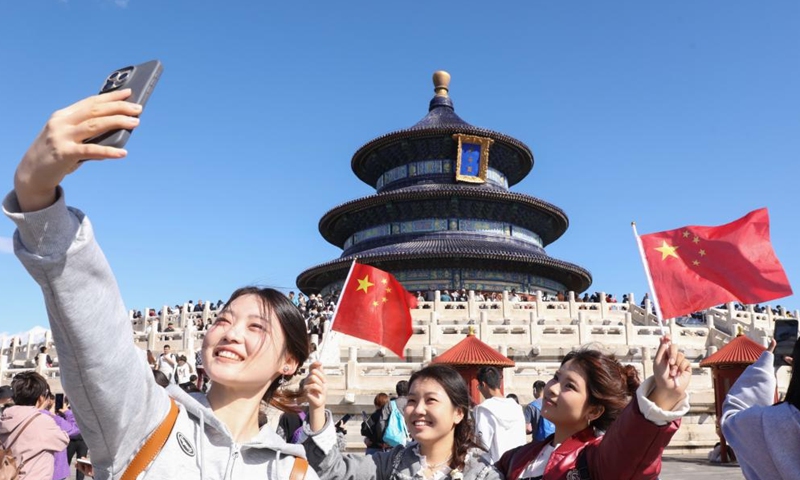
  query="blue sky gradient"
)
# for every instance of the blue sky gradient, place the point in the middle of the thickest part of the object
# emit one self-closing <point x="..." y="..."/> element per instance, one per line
<point x="666" y="114"/>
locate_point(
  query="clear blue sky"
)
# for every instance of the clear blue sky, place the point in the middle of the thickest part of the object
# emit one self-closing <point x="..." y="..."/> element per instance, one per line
<point x="669" y="114"/>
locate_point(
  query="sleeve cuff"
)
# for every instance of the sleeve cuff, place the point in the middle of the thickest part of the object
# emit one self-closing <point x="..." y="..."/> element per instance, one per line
<point x="325" y="438"/>
<point x="652" y="412"/>
<point x="46" y="232"/>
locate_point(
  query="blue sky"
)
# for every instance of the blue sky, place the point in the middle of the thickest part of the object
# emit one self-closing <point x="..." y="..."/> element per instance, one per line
<point x="669" y="114"/>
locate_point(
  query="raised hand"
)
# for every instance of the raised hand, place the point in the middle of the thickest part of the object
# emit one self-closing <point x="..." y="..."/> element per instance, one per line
<point x="59" y="149"/>
<point x="672" y="373"/>
<point x="315" y="389"/>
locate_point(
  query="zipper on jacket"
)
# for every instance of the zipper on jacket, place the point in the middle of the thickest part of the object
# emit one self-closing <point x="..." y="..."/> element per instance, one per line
<point x="232" y="460"/>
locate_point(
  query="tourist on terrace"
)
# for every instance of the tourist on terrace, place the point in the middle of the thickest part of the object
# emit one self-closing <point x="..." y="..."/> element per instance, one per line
<point x="765" y="436"/>
<point x="256" y="343"/>
<point x="593" y="392"/>
<point x="437" y="415"/>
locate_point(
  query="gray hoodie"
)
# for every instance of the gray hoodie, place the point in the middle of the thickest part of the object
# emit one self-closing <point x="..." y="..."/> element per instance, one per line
<point x="765" y="437"/>
<point x="116" y="402"/>
<point x="399" y="463"/>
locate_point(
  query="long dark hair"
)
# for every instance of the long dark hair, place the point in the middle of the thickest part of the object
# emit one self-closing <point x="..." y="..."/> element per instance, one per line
<point x="608" y="383"/>
<point x="456" y="389"/>
<point x="294" y="331"/>
<point x="793" y="392"/>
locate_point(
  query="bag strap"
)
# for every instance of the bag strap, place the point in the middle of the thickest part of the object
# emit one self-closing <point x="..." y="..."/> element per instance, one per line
<point x="153" y="445"/>
<point x="33" y="417"/>
<point x="299" y="469"/>
<point x="583" y="466"/>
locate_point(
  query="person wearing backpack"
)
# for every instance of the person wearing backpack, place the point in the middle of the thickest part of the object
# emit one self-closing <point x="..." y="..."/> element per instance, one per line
<point x="133" y="427"/>
<point x="31" y="437"/>
<point x="393" y="426"/>
<point x="541" y="428"/>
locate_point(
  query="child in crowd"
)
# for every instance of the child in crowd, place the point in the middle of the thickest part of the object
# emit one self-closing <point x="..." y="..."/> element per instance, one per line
<point x="256" y="342"/>
<point x="593" y="393"/>
<point x="764" y="435"/>
<point x="437" y="415"/>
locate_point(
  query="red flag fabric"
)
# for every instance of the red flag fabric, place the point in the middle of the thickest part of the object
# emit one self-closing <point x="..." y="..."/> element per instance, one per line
<point x="694" y="267"/>
<point x="375" y="307"/>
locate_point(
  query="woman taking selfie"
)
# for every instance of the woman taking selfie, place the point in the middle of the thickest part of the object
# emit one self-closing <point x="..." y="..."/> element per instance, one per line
<point x="258" y="339"/>
<point x="764" y="436"/>
<point x="593" y="393"/>
<point x="437" y="415"/>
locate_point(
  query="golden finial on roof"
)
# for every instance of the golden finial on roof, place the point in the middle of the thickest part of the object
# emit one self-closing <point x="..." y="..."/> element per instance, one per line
<point x="471" y="331"/>
<point x="739" y="330"/>
<point x="441" y="83"/>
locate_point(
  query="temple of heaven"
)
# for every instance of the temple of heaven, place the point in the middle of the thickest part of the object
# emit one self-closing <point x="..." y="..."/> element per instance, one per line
<point x="442" y="217"/>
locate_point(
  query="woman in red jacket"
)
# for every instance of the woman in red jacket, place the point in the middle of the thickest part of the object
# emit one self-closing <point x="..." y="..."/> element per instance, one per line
<point x="591" y="393"/>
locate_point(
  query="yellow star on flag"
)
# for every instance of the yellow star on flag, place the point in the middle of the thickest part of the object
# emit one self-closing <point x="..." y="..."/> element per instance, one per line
<point x="686" y="234"/>
<point x="388" y="289"/>
<point x="667" y="250"/>
<point x="695" y="263"/>
<point x="385" y="299"/>
<point x="384" y="281"/>
<point x="364" y="284"/>
<point x="374" y="304"/>
<point x="696" y="239"/>
<point x="702" y="253"/>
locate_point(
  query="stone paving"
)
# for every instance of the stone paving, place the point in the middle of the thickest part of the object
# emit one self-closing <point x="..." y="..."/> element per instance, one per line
<point x="695" y="467"/>
<point x="685" y="467"/>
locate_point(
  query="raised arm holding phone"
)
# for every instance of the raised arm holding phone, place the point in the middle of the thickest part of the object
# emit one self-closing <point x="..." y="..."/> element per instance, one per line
<point x="257" y="339"/>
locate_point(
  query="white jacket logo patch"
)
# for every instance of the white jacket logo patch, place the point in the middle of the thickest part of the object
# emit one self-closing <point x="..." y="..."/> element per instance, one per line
<point x="185" y="444"/>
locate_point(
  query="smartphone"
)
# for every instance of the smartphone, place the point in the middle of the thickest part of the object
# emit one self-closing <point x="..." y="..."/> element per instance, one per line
<point x="364" y="415"/>
<point x="785" y="335"/>
<point x="85" y="461"/>
<point x="59" y="401"/>
<point x="345" y="418"/>
<point x="141" y="79"/>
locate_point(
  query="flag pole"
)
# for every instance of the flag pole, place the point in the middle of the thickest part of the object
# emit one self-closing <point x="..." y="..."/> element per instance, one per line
<point x="649" y="280"/>
<point x="329" y="330"/>
<point x="650" y="284"/>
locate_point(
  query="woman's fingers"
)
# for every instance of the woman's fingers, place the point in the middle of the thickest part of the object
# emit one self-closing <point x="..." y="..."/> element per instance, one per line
<point x="772" y="344"/>
<point x="82" y="109"/>
<point x="98" y="125"/>
<point x="662" y="349"/>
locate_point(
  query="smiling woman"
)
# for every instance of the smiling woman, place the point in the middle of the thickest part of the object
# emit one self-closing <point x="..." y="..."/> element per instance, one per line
<point x="437" y="416"/>
<point x="258" y="339"/>
<point x="592" y="392"/>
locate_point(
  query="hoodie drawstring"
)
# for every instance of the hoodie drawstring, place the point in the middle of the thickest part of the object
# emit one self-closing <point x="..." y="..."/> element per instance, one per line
<point x="200" y="456"/>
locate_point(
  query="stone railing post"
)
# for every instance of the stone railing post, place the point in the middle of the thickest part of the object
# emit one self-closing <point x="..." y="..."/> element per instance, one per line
<point x="572" y="307"/>
<point x="471" y="304"/>
<point x="434" y="332"/>
<point x="630" y="329"/>
<point x="184" y="314"/>
<point x="539" y="303"/>
<point x="648" y="307"/>
<point x="583" y="330"/>
<point x="3" y="341"/>
<point x="351" y="375"/>
<point x="483" y="328"/>
<point x="151" y="338"/>
<point x="647" y="362"/>
<point x="631" y="301"/>
<point x="506" y="307"/>
<point x="163" y="317"/>
<point x="206" y="312"/>
<point x="437" y="300"/>
<point x="3" y="367"/>
<point x="427" y="354"/>
<point x="603" y="305"/>
<point x="29" y="348"/>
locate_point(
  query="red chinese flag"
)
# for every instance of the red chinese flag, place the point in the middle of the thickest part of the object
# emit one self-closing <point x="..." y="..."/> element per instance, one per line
<point x="694" y="268"/>
<point x="375" y="307"/>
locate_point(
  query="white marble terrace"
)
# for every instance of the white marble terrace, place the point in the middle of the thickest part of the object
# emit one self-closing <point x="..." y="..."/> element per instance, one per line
<point x="534" y="334"/>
